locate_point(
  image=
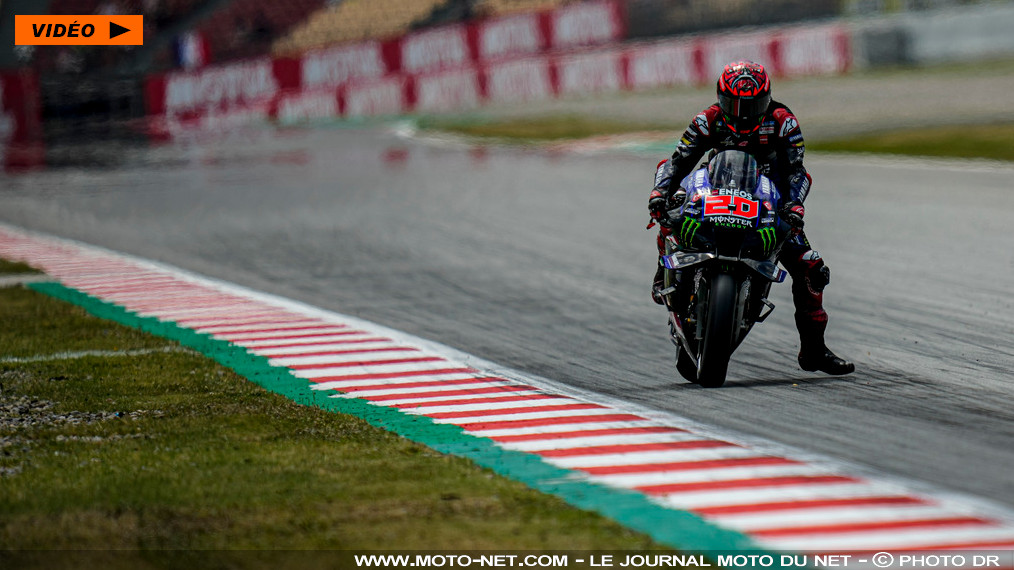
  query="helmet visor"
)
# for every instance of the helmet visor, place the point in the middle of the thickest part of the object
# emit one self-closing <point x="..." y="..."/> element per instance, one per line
<point x="744" y="108"/>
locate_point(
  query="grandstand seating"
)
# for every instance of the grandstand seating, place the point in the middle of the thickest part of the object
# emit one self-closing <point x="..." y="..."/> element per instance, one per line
<point x="245" y="28"/>
<point x="355" y="20"/>
<point x="486" y="8"/>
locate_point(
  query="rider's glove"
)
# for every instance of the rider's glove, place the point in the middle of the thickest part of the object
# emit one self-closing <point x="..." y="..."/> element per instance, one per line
<point x="657" y="205"/>
<point x="792" y="212"/>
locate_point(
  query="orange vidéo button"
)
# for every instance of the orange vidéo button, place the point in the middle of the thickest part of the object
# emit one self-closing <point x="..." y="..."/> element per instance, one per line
<point x="78" y="30"/>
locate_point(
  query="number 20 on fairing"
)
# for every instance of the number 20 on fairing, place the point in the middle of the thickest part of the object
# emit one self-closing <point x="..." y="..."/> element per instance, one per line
<point x="731" y="206"/>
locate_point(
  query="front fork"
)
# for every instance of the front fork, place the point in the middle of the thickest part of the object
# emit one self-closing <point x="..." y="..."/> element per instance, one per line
<point x="687" y="311"/>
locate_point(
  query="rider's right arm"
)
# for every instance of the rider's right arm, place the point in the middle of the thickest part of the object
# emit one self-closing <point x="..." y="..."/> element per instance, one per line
<point x="663" y="178"/>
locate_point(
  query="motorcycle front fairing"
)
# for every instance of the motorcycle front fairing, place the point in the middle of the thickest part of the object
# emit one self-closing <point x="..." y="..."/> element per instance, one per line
<point x="717" y="211"/>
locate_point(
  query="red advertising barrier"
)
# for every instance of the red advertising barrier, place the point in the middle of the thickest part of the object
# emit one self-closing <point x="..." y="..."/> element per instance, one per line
<point x="447" y="91"/>
<point x="519" y="81"/>
<point x="440" y="48"/>
<point x="388" y="96"/>
<point x="664" y="64"/>
<point x="812" y="51"/>
<point x="459" y="46"/>
<point x="214" y="88"/>
<point x="343" y="64"/>
<point x="586" y="24"/>
<point x="457" y="68"/>
<point x="591" y="73"/>
<point x="511" y="37"/>
<point x="297" y="106"/>
<point x="576" y="25"/>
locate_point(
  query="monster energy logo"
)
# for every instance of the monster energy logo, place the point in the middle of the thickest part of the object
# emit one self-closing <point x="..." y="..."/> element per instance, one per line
<point x="767" y="236"/>
<point x="688" y="230"/>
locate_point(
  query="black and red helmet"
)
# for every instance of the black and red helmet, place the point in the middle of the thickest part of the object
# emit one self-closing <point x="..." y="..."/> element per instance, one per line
<point x="744" y="93"/>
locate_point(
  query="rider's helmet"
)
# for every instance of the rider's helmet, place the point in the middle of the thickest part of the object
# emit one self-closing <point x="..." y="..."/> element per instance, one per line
<point x="744" y="93"/>
<point x="733" y="170"/>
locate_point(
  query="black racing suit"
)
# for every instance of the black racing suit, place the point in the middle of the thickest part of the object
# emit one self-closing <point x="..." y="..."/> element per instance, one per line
<point x="777" y="144"/>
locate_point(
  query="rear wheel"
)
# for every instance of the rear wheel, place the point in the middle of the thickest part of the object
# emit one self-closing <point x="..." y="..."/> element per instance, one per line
<point x="720" y="325"/>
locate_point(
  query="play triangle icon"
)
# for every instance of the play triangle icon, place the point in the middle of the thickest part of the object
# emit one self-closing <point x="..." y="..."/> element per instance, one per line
<point x="116" y="30"/>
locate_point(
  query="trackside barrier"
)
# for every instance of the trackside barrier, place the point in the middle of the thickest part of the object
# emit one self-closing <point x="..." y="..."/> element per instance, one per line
<point x="357" y="81"/>
<point x="437" y="49"/>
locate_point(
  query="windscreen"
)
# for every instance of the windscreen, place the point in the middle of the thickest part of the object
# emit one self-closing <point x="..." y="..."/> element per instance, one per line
<point x="733" y="170"/>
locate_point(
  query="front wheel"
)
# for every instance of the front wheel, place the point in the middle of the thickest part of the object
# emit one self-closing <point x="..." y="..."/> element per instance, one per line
<point x="720" y="325"/>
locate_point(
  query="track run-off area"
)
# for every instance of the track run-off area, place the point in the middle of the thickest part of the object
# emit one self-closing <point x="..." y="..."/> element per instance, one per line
<point x="502" y="294"/>
<point x="771" y="498"/>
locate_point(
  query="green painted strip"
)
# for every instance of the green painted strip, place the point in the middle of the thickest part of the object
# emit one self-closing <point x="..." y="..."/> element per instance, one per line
<point x="679" y="529"/>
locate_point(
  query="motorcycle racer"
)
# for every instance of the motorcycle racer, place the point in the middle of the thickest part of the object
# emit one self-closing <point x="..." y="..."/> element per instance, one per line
<point x="747" y="118"/>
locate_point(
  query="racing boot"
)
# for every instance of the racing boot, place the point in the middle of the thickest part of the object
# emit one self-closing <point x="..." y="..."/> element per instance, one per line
<point x="657" y="284"/>
<point x="814" y="355"/>
<point x="822" y="359"/>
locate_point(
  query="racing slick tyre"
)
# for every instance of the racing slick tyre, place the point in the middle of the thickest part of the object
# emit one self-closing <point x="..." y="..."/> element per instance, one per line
<point x="718" y="333"/>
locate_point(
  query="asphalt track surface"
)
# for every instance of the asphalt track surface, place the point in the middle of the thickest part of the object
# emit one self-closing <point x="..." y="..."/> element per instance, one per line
<point x="540" y="262"/>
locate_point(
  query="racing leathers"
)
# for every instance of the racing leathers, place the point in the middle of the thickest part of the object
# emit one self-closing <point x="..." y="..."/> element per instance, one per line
<point x="777" y="145"/>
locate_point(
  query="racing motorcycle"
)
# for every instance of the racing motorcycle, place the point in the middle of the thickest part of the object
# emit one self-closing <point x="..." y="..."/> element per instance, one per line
<point x="720" y="262"/>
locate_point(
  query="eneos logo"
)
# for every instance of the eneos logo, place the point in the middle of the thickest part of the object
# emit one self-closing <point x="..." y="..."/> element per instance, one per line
<point x="78" y="30"/>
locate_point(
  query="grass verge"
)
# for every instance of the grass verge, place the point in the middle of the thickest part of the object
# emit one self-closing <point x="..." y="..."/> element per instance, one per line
<point x="15" y="268"/>
<point x="538" y="129"/>
<point x="964" y="141"/>
<point x="149" y="451"/>
<point x="994" y="142"/>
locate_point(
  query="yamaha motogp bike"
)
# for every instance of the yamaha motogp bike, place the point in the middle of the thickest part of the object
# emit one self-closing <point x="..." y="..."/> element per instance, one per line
<point x="720" y="261"/>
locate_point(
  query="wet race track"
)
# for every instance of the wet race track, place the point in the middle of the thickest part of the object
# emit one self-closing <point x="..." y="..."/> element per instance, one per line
<point x="540" y="262"/>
